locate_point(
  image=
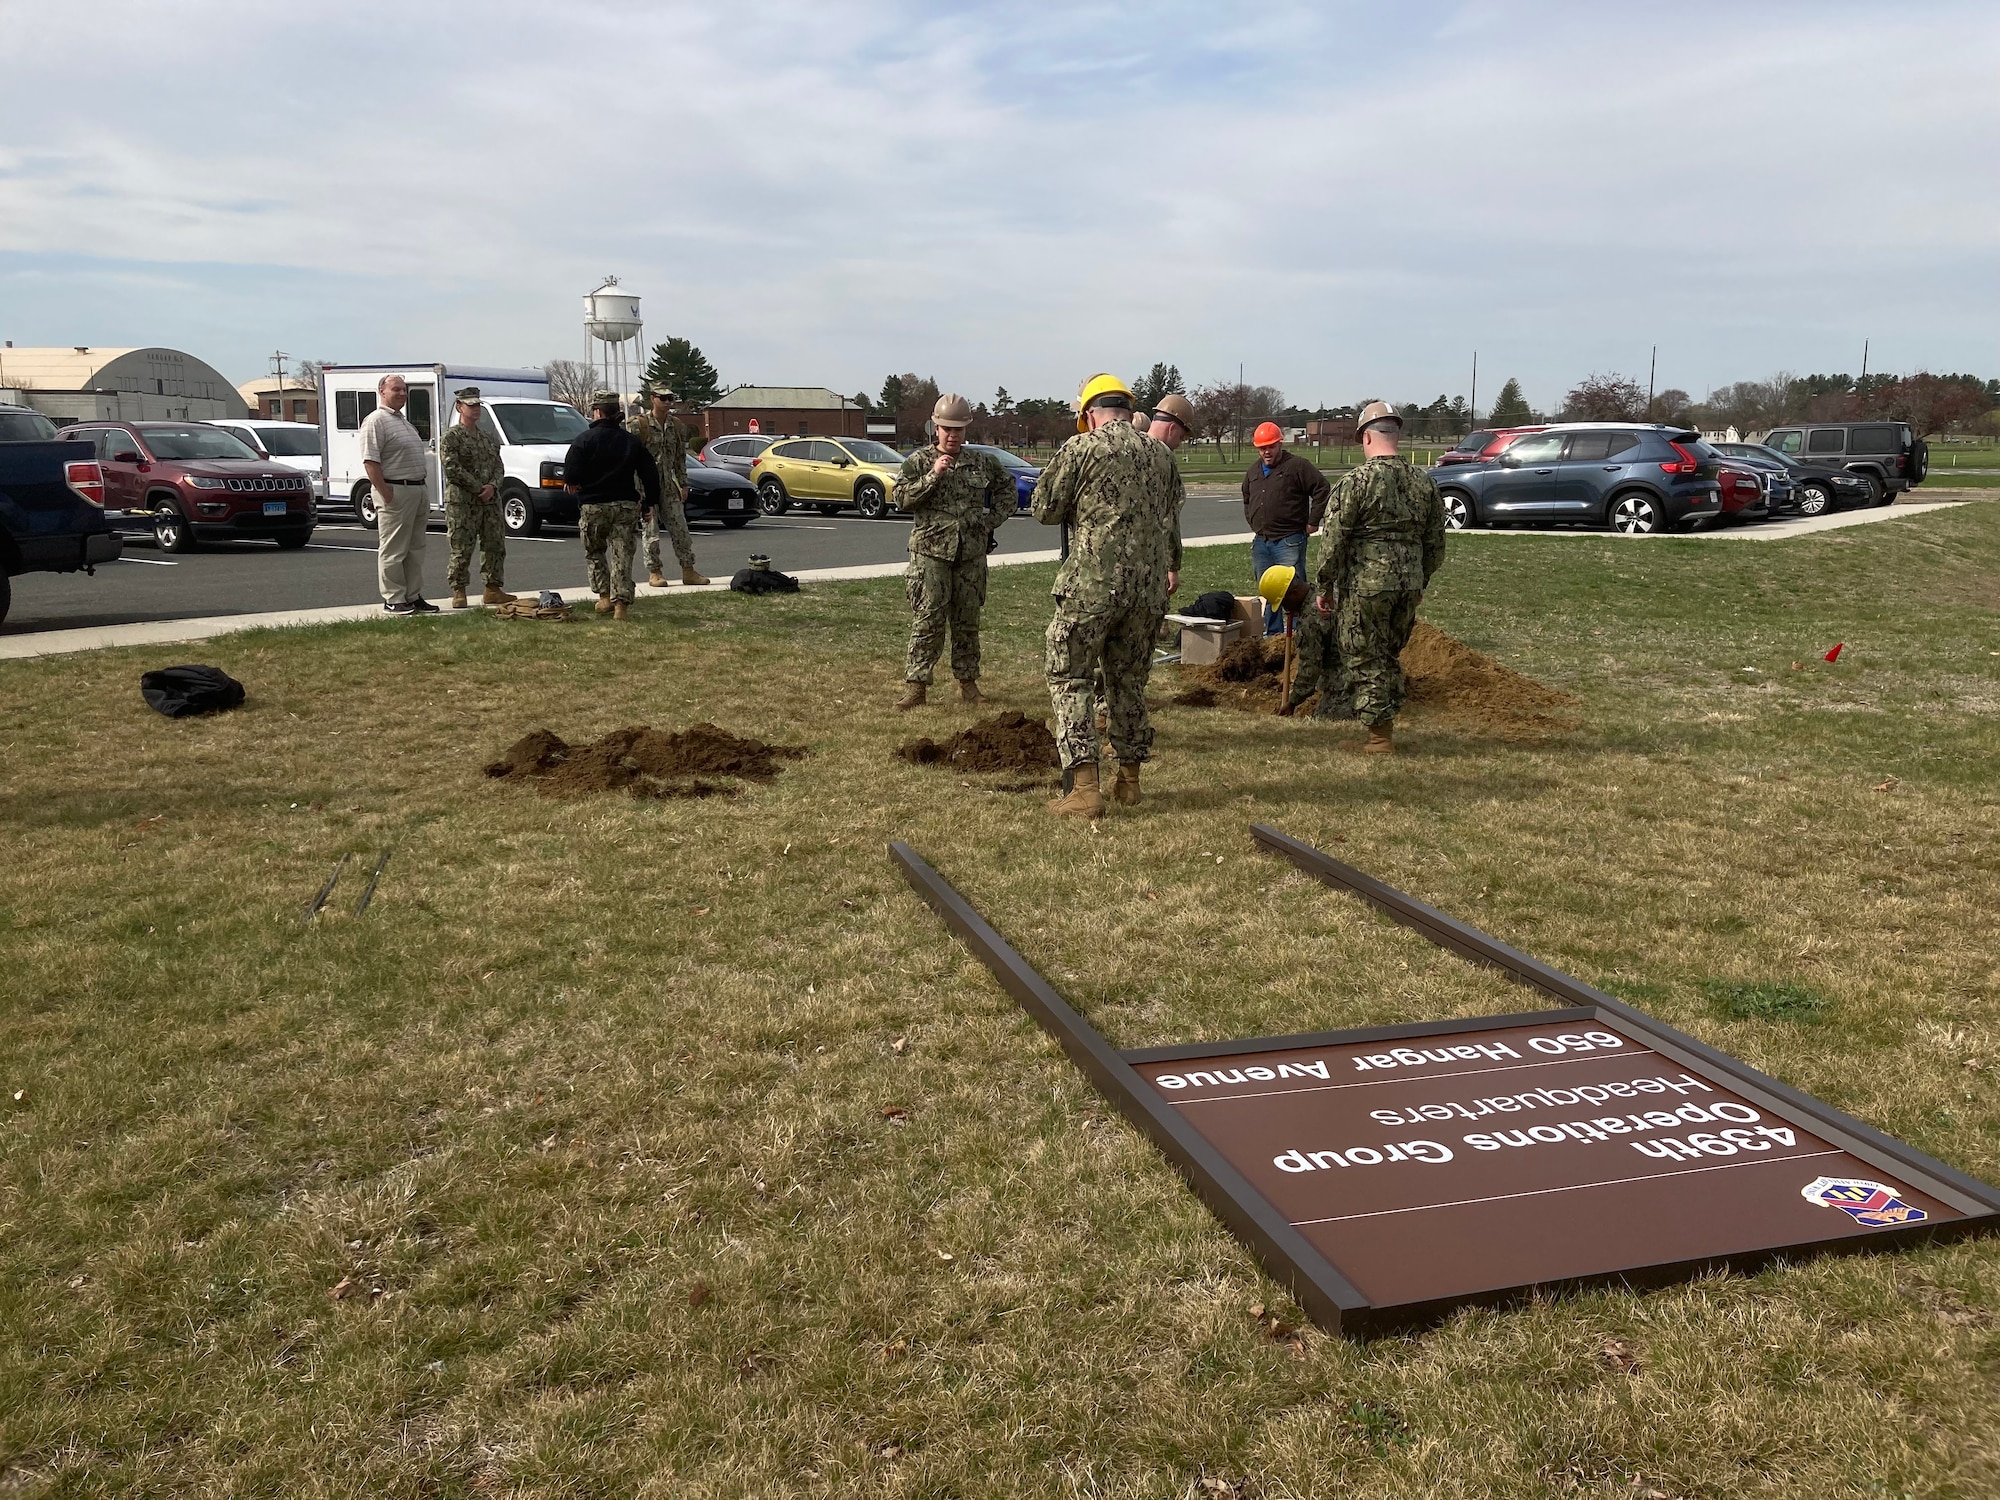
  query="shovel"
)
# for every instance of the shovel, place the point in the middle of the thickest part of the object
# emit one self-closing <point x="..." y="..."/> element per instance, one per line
<point x="1285" y="680"/>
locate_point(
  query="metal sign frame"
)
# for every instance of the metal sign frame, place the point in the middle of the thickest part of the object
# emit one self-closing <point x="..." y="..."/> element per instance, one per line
<point x="1328" y="1297"/>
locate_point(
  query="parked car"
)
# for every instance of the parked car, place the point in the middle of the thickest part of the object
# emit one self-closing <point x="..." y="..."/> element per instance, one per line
<point x="830" y="473"/>
<point x="293" y="444"/>
<point x="1025" y="474"/>
<point x="51" y="503"/>
<point x="1633" y="477"/>
<point x="1816" y="488"/>
<point x="188" y="482"/>
<point x="1770" y="470"/>
<point x="1475" y="446"/>
<point x="713" y="495"/>
<point x="1887" y="454"/>
<point x="1743" y="493"/>
<point x="735" y="451"/>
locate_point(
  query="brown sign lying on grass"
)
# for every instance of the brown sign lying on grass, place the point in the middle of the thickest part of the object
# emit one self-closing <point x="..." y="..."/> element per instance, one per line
<point x="641" y="761"/>
<point x="1391" y="1174"/>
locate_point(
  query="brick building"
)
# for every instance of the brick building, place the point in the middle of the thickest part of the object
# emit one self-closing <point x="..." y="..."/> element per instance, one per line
<point x="784" y="411"/>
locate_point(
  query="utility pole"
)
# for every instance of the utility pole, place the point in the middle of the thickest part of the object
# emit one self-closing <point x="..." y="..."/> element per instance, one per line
<point x="278" y="358"/>
<point x="1472" y="414"/>
<point x="1652" y="370"/>
<point x="1864" y="359"/>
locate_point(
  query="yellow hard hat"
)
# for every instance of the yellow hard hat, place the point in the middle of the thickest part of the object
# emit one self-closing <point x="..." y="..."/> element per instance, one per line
<point x="1275" y="584"/>
<point x="1094" y="388"/>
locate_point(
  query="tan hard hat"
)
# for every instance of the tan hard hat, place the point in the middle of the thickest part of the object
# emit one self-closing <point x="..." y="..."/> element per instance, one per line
<point x="1178" y="409"/>
<point x="952" y="410"/>
<point x="1376" y="411"/>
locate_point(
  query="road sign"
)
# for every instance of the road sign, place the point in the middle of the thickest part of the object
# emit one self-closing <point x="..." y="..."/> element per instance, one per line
<point x="1390" y="1174"/>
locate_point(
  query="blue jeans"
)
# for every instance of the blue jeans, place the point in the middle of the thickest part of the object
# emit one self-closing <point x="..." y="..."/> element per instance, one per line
<point x="1285" y="552"/>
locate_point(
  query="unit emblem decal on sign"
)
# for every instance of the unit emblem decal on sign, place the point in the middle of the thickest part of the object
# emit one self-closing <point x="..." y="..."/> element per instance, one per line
<point x="1866" y="1202"/>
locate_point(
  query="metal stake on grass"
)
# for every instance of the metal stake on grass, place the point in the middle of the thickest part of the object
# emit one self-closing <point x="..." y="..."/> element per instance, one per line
<point x="325" y="890"/>
<point x="369" y="894"/>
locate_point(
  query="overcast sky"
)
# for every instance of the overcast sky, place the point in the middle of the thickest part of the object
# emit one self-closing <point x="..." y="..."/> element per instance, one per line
<point x="1347" y="199"/>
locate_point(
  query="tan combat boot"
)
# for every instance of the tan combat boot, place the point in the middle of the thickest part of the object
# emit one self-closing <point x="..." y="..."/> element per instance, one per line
<point x="1125" y="790"/>
<point x="1380" y="741"/>
<point x="621" y="610"/>
<point x="458" y="598"/>
<point x="496" y="595"/>
<point x="1084" y="799"/>
<point x="693" y="579"/>
<point x="657" y="579"/>
<point x="914" y="694"/>
<point x="968" y="691"/>
<point x="604" y="604"/>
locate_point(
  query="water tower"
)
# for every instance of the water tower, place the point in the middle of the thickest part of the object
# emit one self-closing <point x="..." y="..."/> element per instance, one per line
<point x="614" y="337"/>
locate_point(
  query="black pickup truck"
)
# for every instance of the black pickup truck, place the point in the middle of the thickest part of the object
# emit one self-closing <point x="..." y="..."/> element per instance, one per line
<point x="51" y="504"/>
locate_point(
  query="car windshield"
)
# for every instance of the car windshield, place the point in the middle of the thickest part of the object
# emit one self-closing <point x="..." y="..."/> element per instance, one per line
<point x="1007" y="460"/>
<point x="1474" y="441"/>
<point x="872" y="453"/>
<point x="289" y="442"/>
<point x="194" y="442"/>
<point x="539" y="421"/>
<point x="26" y="427"/>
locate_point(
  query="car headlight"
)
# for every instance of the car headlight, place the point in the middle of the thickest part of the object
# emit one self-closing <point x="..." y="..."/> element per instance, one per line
<point x="207" y="484"/>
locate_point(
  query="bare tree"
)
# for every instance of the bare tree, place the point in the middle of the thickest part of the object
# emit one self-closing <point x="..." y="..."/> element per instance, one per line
<point x="1218" y="408"/>
<point x="571" y="380"/>
<point x="1605" y="398"/>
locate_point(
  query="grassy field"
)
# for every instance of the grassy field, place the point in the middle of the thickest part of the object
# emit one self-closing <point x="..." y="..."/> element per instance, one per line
<point x="674" y="1149"/>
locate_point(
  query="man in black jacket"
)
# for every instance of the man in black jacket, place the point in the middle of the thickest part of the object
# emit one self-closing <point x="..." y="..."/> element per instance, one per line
<point x="601" y="469"/>
<point x="1284" y="500"/>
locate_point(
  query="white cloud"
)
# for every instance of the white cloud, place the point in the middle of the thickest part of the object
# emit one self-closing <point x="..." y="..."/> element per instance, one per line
<point x="1344" y="200"/>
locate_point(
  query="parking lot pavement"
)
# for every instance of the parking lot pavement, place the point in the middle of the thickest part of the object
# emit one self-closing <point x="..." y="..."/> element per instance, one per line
<point x="338" y="567"/>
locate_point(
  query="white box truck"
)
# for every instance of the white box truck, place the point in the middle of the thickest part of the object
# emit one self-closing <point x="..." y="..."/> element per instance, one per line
<point x="534" y="434"/>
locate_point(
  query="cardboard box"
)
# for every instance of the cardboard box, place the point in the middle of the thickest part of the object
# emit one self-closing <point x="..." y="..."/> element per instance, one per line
<point x="1204" y="641"/>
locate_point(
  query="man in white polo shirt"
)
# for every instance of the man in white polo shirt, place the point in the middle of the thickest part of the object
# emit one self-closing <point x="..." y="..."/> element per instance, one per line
<point x="398" y="475"/>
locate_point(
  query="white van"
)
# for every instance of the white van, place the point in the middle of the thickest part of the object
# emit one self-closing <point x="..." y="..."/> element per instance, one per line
<point x="534" y="434"/>
<point x="296" y="445"/>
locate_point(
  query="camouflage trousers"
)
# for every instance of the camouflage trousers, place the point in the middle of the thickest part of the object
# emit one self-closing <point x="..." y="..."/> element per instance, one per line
<point x="610" y="539"/>
<point x="1317" y="667"/>
<point x="674" y="515"/>
<point x="1371" y="631"/>
<point x="945" y="600"/>
<point x="1082" y="640"/>
<point x="470" y="523"/>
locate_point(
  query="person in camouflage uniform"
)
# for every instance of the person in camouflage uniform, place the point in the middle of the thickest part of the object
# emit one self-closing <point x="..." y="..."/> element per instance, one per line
<point x="1316" y="663"/>
<point x="958" y="500"/>
<point x="666" y="440"/>
<point x="1120" y="495"/>
<point x="1384" y="539"/>
<point x="473" y="472"/>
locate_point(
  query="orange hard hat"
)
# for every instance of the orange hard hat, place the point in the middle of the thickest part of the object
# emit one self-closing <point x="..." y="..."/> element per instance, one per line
<point x="1266" y="434"/>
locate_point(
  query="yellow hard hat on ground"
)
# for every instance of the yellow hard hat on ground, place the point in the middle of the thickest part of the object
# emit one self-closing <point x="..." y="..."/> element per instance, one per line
<point x="1275" y="584"/>
<point x="1095" y="389"/>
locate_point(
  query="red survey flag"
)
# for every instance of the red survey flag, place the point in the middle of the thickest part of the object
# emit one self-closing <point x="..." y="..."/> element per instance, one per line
<point x="1834" y="654"/>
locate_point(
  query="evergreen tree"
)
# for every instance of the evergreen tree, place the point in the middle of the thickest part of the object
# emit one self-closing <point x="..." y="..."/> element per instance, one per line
<point x="1511" y="409"/>
<point x="683" y="367"/>
<point x="1003" y="404"/>
<point x="891" y="400"/>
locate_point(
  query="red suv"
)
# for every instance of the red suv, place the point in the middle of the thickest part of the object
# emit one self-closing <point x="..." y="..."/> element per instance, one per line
<point x="1475" y="447"/>
<point x="187" y="482"/>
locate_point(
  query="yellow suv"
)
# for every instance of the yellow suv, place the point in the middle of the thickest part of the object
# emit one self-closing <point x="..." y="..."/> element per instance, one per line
<point x="830" y="473"/>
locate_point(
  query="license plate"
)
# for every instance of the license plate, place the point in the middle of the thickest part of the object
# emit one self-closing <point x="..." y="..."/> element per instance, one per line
<point x="736" y="502"/>
<point x="274" y="507"/>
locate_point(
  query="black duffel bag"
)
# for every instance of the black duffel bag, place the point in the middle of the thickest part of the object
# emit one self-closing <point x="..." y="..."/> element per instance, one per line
<point x="764" y="581"/>
<point x="181" y="692"/>
<point x="1217" y="604"/>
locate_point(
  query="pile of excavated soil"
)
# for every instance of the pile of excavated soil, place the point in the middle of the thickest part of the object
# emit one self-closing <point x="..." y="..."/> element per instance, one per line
<point x="1447" y="680"/>
<point x="1005" y="742"/>
<point x="642" y="762"/>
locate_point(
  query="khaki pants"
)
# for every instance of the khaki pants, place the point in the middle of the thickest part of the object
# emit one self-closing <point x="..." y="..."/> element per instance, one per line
<point x="400" y="518"/>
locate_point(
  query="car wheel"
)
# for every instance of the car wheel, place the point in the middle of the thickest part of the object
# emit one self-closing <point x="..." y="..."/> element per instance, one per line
<point x="1635" y="514"/>
<point x="170" y="528"/>
<point x="771" y="495"/>
<point x="736" y="523"/>
<point x="6" y="594"/>
<point x="870" y="501"/>
<point x="364" y="506"/>
<point x="1458" y="512"/>
<point x="1816" y="499"/>
<point x="291" y="541"/>
<point x="1878" y="492"/>
<point x="1920" y="461"/>
<point x="829" y="510"/>
<point x="517" y="513"/>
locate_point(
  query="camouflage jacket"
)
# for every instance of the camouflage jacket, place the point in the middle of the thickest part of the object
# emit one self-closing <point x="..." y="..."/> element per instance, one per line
<point x="1384" y="530"/>
<point x="957" y="511"/>
<point x="470" y="458"/>
<point x="667" y="442"/>
<point x="1120" y="494"/>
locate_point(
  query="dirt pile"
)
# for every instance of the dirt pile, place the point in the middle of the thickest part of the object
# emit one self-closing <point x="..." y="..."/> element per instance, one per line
<point x="1005" y="742"/>
<point x="1448" y="681"/>
<point x="643" y="762"/>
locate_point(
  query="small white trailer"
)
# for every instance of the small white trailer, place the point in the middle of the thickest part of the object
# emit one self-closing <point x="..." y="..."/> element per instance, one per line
<point x="534" y="433"/>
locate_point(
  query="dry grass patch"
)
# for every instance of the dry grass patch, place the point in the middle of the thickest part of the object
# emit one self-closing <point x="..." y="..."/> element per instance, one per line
<point x="671" y="1147"/>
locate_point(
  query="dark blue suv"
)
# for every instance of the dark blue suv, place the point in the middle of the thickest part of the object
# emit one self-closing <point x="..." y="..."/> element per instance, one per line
<point x="1631" y="476"/>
